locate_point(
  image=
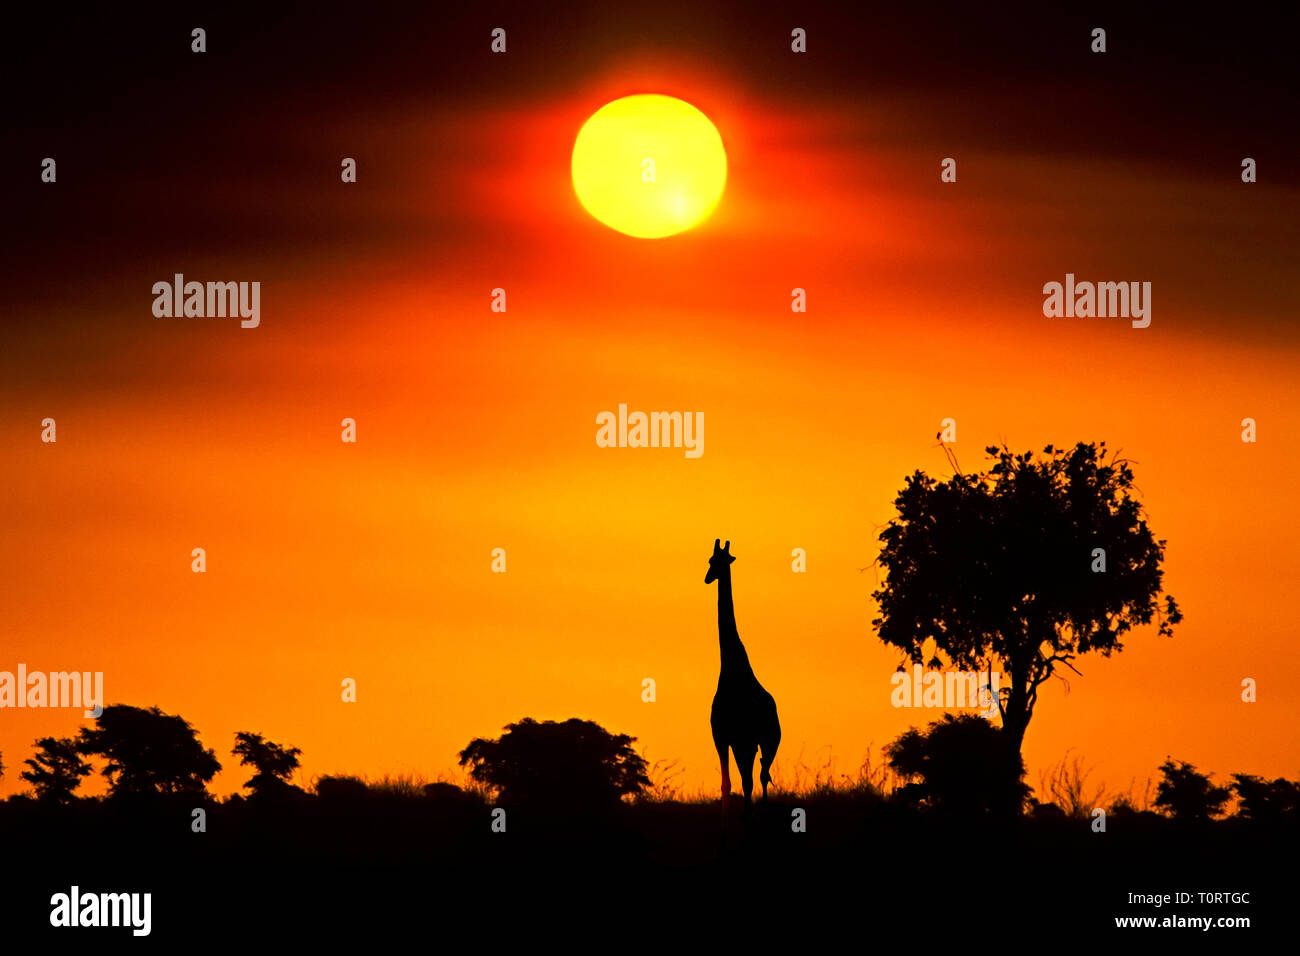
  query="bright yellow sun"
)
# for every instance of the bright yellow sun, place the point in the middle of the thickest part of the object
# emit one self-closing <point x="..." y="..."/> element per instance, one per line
<point x="649" y="165"/>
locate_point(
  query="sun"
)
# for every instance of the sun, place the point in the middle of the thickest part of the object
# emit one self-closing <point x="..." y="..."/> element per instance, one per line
<point x="649" y="165"/>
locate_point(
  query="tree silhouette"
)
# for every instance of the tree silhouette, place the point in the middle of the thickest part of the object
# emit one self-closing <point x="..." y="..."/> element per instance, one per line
<point x="960" y="764"/>
<point x="56" y="770"/>
<point x="273" y="763"/>
<point x="574" y="764"/>
<point x="1187" y="794"/>
<point x="998" y="567"/>
<point x="1266" y="801"/>
<point x="148" y="751"/>
<point x="341" y="789"/>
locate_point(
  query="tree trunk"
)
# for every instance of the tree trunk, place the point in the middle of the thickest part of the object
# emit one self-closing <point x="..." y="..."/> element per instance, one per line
<point x="1015" y="717"/>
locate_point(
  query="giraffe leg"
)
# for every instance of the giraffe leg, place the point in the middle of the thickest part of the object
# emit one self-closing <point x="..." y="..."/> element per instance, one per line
<point x="726" y="780"/>
<point x="764" y="766"/>
<point x="772" y="740"/>
<point x="745" y="762"/>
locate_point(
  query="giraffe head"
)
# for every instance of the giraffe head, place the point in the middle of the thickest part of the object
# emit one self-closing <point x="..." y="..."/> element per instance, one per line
<point x="720" y="560"/>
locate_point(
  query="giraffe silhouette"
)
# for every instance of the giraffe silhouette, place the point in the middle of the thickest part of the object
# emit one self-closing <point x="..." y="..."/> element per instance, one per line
<point x="744" y="714"/>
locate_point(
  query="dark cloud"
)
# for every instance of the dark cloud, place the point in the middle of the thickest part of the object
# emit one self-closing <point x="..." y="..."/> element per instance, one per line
<point x="166" y="155"/>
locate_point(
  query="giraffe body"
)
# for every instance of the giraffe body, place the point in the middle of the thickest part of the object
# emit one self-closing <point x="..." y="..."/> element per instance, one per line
<point x="743" y="717"/>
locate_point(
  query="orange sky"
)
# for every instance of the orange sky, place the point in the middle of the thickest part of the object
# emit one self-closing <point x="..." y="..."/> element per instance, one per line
<point x="476" y="431"/>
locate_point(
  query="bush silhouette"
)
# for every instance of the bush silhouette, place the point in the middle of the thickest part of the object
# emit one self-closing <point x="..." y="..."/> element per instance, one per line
<point x="1266" y="801"/>
<point x="341" y="789"/>
<point x="444" y="792"/>
<point x="148" y="751"/>
<point x="960" y="765"/>
<point x="1186" y="794"/>
<point x="56" y="770"/>
<point x="575" y="764"/>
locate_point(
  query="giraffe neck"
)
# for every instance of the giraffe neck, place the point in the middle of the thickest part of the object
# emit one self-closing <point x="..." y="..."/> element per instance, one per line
<point x="734" y="658"/>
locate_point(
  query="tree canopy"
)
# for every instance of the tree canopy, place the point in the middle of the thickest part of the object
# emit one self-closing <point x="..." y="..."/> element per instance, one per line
<point x="1187" y="794"/>
<point x="273" y="764"/>
<point x="56" y="770"/>
<point x="1002" y="567"/>
<point x="148" y="751"/>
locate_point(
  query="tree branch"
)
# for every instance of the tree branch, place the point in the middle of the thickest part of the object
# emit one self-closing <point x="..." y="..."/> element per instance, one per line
<point x="1064" y="659"/>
